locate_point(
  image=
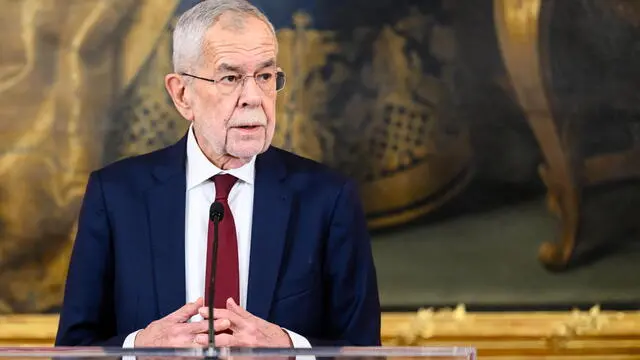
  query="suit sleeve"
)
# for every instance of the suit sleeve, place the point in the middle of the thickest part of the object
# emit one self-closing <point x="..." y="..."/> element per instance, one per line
<point x="352" y="303"/>
<point x="87" y="316"/>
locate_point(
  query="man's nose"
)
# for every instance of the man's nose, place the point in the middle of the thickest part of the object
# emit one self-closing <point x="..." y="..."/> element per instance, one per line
<point x="251" y="94"/>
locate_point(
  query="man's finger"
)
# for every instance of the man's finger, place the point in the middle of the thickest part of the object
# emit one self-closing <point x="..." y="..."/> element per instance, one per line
<point x="204" y="312"/>
<point x="217" y="313"/>
<point x="232" y="306"/>
<point x="202" y="339"/>
<point x="221" y="325"/>
<point x="199" y="327"/>
<point x="236" y="320"/>
<point x="186" y="312"/>
<point x="226" y="340"/>
<point x="196" y="327"/>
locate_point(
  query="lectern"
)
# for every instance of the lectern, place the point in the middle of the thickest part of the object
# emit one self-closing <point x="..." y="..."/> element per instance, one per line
<point x="333" y="353"/>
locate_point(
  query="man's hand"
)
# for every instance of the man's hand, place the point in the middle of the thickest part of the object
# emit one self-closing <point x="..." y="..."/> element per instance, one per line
<point x="248" y="330"/>
<point x="173" y="330"/>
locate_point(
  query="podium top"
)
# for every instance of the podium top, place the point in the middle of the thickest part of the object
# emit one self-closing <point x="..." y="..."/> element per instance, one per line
<point x="337" y="353"/>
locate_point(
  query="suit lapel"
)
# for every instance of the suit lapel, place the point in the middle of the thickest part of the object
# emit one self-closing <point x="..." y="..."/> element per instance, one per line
<point x="166" y="209"/>
<point x="271" y="207"/>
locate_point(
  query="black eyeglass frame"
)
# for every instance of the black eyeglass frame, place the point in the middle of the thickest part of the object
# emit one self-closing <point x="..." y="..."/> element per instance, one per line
<point x="280" y="79"/>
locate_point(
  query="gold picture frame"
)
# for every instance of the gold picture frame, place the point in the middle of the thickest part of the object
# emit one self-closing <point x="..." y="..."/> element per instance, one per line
<point x="563" y="335"/>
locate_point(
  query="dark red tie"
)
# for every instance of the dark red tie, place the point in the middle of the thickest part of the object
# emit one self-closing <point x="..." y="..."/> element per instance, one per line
<point x="227" y="281"/>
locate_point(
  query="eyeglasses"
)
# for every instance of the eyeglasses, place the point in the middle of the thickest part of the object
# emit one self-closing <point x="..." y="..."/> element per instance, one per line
<point x="268" y="81"/>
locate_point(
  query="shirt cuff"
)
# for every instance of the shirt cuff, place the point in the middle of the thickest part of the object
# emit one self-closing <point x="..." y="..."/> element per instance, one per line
<point x="298" y="341"/>
<point x="130" y="340"/>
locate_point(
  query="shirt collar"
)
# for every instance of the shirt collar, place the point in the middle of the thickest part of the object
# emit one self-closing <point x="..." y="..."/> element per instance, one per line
<point x="200" y="169"/>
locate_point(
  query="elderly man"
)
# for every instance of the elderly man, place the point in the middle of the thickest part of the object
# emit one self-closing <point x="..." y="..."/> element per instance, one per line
<point x="294" y="265"/>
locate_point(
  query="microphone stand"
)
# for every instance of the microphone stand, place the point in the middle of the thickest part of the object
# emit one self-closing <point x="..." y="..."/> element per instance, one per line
<point x="216" y="214"/>
<point x="212" y="283"/>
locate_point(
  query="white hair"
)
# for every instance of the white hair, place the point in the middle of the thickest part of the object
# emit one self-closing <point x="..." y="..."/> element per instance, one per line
<point x="190" y="30"/>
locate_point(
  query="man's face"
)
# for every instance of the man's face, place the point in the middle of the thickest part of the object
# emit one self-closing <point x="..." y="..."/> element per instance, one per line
<point x="236" y="121"/>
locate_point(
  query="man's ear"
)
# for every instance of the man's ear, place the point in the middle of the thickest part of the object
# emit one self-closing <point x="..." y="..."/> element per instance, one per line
<point x="178" y="89"/>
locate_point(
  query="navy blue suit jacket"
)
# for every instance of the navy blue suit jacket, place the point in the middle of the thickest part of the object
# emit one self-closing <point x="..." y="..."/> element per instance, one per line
<point x="311" y="268"/>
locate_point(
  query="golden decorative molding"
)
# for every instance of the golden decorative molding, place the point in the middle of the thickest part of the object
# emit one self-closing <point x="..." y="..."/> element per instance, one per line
<point x="523" y="39"/>
<point x="563" y="334"/>
<point x="28" y="330"/>
<point x="566" y="335"/>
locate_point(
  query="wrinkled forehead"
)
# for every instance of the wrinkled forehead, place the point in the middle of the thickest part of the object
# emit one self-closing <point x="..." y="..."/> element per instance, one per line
<point x="241" y="44"/>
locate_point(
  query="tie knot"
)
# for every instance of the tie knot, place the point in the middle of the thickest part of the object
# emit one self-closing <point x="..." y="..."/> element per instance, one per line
<point x="224" y="183"/>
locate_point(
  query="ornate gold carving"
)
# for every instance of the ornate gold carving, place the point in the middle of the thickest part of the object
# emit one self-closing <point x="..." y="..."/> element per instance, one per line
<point x="509" y="335"/>
<point x="518" y="30"/>
<point x="424" y="324"/>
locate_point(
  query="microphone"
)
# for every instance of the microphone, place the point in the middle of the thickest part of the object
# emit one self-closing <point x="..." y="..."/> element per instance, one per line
<point x="216" y="213"/>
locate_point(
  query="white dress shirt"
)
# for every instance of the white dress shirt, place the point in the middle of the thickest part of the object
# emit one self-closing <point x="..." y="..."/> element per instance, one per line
<point x="200" y="193"/>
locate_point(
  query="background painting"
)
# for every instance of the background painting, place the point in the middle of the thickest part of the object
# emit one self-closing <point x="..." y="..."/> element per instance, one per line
<point x="495" y="142"/>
